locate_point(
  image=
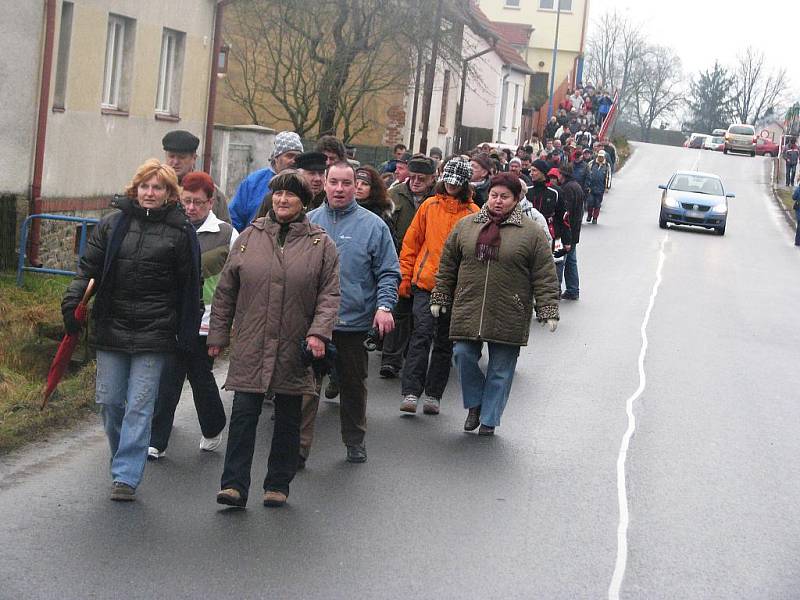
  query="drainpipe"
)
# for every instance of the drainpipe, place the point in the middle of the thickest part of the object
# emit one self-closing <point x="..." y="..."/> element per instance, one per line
<point x="555" y="57"/>
<point x="35" y="200"/>
<point x="503" y="107"/>
<point x="416" y="99"/>
<point x="460" y="112"/>
<point x="212" y="85"/>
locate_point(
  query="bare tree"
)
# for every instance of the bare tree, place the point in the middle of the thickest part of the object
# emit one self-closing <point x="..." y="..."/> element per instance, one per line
<point x="756" y="89"/>
<point x="658" y="91"/>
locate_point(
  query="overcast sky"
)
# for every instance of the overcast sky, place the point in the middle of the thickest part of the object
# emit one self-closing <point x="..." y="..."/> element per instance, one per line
<point x="704" y="30"/>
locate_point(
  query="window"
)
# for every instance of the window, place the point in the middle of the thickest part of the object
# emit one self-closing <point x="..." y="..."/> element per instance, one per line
<point x="566" y="5"/>
<point x="445" y="97"/>
<point x="119" y="58"/>
<point x="512" y="3"/>
<point x="62" y="61"/>
<point x="515" y="116"/>
<point x="170" y="73"/>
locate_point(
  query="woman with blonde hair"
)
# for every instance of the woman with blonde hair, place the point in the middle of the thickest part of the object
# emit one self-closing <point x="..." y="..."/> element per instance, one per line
<point x="144" y="258"/>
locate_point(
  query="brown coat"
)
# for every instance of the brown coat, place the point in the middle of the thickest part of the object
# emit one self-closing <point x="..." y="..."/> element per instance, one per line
<point x="274" y="298"/>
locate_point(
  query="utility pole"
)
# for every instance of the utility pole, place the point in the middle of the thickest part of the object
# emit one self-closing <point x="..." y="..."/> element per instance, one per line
<point x="430" y="75"/>
<point x="553" y="68"/>
<point x="420" y="51"/>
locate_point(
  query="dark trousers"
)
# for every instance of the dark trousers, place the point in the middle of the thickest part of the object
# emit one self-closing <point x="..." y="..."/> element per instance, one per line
<point x="790" y="173"/>
<point x="351" y="365"/>
<point x="196" y="365"/>
<point x="282" y="463"/>
<point x="421" y="373"/>
<point x="396" y="342"/>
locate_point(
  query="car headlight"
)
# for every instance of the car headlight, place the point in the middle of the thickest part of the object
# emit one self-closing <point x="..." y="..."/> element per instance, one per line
<point x="720" y="208"/>
<point x="671" y="202"/>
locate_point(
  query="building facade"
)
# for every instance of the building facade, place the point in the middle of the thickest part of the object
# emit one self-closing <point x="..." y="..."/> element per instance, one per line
<point x="118" y="74"/>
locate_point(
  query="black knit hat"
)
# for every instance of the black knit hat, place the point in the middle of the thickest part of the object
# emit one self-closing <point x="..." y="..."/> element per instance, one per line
<point x="541" y="166"/>
<point x="291" y="181"/>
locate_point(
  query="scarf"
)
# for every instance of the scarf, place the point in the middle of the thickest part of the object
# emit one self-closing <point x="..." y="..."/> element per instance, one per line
<point x="488" y="246"/>
<point x="284" y="227"/>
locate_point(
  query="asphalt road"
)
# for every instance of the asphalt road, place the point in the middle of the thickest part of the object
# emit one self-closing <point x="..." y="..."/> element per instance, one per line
<point x="712" y="470"/>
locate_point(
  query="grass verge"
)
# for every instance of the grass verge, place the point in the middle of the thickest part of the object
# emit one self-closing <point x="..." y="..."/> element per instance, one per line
<point x="30" y="331"/>
<point x="785" y="196"/>
<point x="624" y="151"/>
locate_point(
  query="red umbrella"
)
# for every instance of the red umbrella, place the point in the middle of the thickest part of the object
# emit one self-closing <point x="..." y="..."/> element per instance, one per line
<point x="66" y="347"/>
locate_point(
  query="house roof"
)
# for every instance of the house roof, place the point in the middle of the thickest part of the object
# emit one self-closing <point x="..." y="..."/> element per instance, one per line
<point x="516" y="34"/>
<point x="488" y="30"/>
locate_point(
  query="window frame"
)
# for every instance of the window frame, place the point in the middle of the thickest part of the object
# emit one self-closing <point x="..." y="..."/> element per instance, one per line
<point x="62" y="56"/>
<point x="116" y="92"/>
<point x="170" y="73"/>
<point x="552" y="7"/>
<point x="511" y="4"/>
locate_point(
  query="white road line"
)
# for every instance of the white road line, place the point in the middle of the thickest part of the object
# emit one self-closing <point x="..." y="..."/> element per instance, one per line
<point x="622" y="495"/>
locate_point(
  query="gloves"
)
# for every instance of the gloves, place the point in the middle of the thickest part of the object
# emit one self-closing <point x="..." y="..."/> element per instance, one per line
<point x="404" y="290"/>
<point x="71" y="324"/>
<point x="438" y="309"/>
<point x="552" y="324"/>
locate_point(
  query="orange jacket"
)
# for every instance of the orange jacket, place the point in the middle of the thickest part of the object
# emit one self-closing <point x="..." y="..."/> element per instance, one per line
<point x="425" y="238"/>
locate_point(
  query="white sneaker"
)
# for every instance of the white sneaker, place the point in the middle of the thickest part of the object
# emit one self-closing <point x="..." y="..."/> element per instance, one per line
<point x="154" y="453"/>
<point x="430" y="406"/>
<point x="409" y="404"/>
<point x="210" y="444"/>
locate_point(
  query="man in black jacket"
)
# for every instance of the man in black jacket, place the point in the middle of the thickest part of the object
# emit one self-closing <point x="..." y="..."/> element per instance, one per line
<point x="549" y="202"/>
<point x="572" y="193"/>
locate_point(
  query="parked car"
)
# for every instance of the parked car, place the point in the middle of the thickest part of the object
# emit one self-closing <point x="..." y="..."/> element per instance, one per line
<point x="697" y="140"/>
<point x="740" y="138"/>
<point x="719" y="132"/>
<point x="766" y="147"/>
<point x="714" y="142"/>
<point x="694" y="198"/>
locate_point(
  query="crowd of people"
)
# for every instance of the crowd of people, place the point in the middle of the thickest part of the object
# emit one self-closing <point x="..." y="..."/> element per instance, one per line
<point x="315" y="262"/>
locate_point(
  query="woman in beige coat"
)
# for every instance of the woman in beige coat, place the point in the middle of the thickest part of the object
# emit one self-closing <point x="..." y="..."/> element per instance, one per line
<point x="280" y="286"/>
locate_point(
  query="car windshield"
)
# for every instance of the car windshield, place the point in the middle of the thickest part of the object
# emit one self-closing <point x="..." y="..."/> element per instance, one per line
<point x="717" y="140"/>
<point x="741" y="130"/>
<point x="696" y="183"/>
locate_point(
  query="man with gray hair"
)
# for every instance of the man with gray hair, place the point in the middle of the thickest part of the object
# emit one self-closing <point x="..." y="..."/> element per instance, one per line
<point x="254" y="187"/>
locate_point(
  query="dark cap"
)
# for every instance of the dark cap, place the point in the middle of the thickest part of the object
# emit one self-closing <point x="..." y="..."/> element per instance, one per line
<point x="422" y="165"/>
<point x="435" y="152"/>
<point x="541" y="166"/>
<point x="405" y="158"/>
<point x="180" y="141"/>
<point x="311" y="161"/>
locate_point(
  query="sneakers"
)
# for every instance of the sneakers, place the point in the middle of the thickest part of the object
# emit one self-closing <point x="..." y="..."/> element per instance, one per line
<point x="357" y="453"/>
<point x="569" y="296"/>
<point x="231" y="497"/>
<point x="210" y="444"/>
<point x="389" y="372"/>
<point x="473" y="419"/>
<point x="122" y="492"/>
<point x="331" y="390"/>
<point x="274" y="499"/>
<point x="155" y="453"/>
<point x="430" y="406"/>
<point x="409" y="404"/>
<point x="486" y="430"/>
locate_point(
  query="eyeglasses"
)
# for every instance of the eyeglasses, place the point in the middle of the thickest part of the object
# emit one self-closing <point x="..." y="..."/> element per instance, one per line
<point x="197" y="203"/>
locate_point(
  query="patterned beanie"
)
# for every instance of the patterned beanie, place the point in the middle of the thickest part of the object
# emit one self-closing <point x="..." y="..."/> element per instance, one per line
<point x="457" y="172"/>
<point x="286" y="141"/>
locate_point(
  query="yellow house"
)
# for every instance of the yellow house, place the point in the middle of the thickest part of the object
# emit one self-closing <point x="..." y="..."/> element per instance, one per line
<point x="515" y="18"/>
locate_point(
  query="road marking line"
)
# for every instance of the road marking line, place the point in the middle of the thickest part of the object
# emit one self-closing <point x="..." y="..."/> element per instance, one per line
<point x="622" y="528"/>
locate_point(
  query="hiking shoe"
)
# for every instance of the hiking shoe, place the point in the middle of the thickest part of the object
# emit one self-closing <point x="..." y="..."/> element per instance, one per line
<point x="122" y="492"/>
<point x="331" y="390"/>
<point x="155" y="453"/>
<point x="357" y="453"/>
<point x="430" y="406"/>
<point x="589" y="217"/>
<point x="274" y="499"/>
<point x="389" y="372"/>
<point x="409" y="404"/>
<point x="231" y="497"/>
<point x="473" y="419"/>
<point x="569" y="296"/>
<point x="210" y="444"/>
<point x="594" y="220"/>
<point x="486" y="430"/>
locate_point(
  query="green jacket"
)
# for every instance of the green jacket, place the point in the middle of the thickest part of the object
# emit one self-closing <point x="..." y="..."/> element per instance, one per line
<point x="493" y="300"/>
<point x="404" y="208"/>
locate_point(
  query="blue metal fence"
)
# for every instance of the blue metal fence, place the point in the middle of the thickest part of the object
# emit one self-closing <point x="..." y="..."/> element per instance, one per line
<point x="23" y="244"/>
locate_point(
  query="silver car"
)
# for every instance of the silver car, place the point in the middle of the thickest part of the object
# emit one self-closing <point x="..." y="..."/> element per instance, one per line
<point x="740" y="138"/>
<point x="694" y="198"/>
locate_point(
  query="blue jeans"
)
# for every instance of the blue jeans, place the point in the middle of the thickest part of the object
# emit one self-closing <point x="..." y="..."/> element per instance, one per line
<point x="489" y="391"/>
<point x="127" y="386"/>
<point x="568" y="271"/>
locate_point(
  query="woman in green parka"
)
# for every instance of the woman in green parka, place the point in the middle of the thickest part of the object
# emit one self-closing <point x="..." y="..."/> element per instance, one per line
<point x="496" y="265"/>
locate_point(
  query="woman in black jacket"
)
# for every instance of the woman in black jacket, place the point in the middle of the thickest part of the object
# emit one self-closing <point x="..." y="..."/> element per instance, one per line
<point x="145" y="260"/>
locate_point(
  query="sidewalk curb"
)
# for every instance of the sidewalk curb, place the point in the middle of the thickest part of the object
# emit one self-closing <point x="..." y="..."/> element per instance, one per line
<point x="787" y="213"/>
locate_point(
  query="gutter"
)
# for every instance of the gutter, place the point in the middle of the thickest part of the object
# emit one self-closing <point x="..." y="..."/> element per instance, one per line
<point x="211" y="105"/>
<point x="35" y="200"/>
